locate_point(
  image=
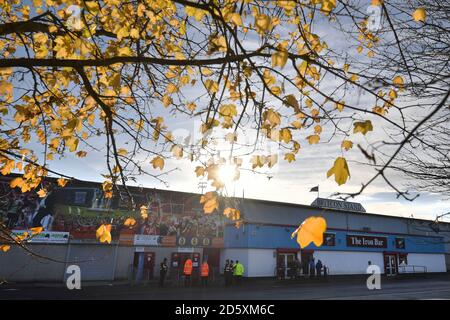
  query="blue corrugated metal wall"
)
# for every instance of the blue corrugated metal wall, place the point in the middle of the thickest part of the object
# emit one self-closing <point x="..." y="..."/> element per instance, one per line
<point x="267" y="236"/>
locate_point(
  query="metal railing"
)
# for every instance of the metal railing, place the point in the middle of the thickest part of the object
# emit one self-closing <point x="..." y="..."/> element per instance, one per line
<point x="295" y="273"/>
<point x="412" y="269"/>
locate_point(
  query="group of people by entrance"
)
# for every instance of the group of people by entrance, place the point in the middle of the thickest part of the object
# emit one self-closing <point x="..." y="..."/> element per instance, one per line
<point x="187" y="272"/>
<point x="233" y="271"/>
<point x="306" y="268"/>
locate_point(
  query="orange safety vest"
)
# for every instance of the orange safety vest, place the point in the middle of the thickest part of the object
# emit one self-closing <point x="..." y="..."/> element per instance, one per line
<point x="188" y="267"/>
<point x="204" y="272"/>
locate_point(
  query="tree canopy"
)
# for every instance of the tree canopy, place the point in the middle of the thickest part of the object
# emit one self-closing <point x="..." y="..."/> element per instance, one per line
<point x="110" y="76"/>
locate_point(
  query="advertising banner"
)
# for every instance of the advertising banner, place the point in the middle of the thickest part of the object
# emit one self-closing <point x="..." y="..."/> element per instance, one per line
<point x="147" y="240"/>
<point x="45" y="236"/>
<point x="80" y="210"/>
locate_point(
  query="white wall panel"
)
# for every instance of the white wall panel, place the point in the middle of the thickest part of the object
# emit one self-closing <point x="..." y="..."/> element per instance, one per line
<point x="345" y="262"/>
<point x="433" y="262"/>
<point x="261" y="263"/>
<point x="257" y="262"/>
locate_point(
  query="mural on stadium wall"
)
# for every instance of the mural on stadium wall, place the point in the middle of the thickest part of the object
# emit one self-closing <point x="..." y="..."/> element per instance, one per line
<point x="176" y="218"/>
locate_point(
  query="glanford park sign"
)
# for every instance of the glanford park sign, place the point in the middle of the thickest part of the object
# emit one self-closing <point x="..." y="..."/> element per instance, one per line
<point x="338" y="205"/>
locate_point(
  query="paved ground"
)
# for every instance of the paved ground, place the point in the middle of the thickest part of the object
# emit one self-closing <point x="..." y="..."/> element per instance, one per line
<point x="422" y="288"/>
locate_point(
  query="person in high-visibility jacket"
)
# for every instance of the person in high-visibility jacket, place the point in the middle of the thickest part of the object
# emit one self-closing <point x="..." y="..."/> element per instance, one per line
<point x="204" y="273"/>
<point x="238" y="272"/>
<point x="187" y="271"/>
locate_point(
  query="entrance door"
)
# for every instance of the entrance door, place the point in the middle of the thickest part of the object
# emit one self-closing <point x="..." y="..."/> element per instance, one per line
<point x="307" y="256"/>
<point x="287" y="265"/>
<point x="138" y="266"/>
<point x="144" y="265"/>
<point x="149" y="265"/>
<point x="178" y="260"/>
<point x="390" y="264"/>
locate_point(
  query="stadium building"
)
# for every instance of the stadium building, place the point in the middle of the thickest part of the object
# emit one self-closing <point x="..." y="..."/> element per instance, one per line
<point x="176" y="228"/>
<point x="353" y="240"/>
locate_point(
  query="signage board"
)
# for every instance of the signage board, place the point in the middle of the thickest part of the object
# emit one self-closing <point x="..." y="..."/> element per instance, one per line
<point x="339" y="205"/>
<point x="126" y="239"/>
<point x="168" y="241"/>
<point x="147" y="240"/>
<point x="194" y="241"/>
<point x="45" y="236"/>
<point x="400" y="243"/>
<point x="366" y="241"/>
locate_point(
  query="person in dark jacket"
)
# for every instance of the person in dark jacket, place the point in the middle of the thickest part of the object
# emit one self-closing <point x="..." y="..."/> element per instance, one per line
<point x="305" y="267"/>
<point x="227" y="273"/>
<point x="319" y="268"/>
<point x="280" y="270"/>
<point x="312" y="267"/>
<point x="162" y="272"/>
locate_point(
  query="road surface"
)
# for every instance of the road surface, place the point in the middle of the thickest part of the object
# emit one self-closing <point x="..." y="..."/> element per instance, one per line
<point x="427" y="288"/>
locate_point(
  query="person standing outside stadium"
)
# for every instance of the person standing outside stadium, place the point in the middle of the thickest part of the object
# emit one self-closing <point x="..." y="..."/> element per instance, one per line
<point x="187" y="271"/>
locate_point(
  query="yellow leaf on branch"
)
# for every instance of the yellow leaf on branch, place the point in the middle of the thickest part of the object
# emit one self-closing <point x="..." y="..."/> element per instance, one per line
<point x="285" y="135"/>
<point x="157" y="162"/>
<point x="419" y="15"/>
<point x="347" y="145"/>
<point x="42" y="193"/>
<point x="291" y="101"/>
<point x="177" y="151"/>
<point x="232" y="213"/>
<point x="340" y="171"/>
<point x="236" y="19"/>
<point x="122" y="152"/>
<point x="129" y="222"/>
<point x="197" y="14"/>
<point x="107" y="189"/>
<point x="258" y="161"/>
<point x="393" y="94"/>
<point x="62" y="182"/>
<point x="311" y="230"/>
<point x="211" y="86"/>
<point x="279" y="58"/>
<point x="210" y="202"/>
<point x="362" y="127"/>
<point x="273" y="117"/>
<point x="16" y="182"/>
<point x="262" y="23"/>
<point x="398" y="81"/>
<point x="72" y="143"/>
<point x="36" y="230"/>
<point x="171" y="88"/>
<point x="199" y="171"/>
<point x="144" y="212"/>
<point x="272" y="160"/>
<point x="103" y="233"/>
<point x="376" y="2"/>
<point x="217" y="43"/>
<point x="313" y="139"/>
<point x="339" y="106"/>
<point x="289" y="157"/>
